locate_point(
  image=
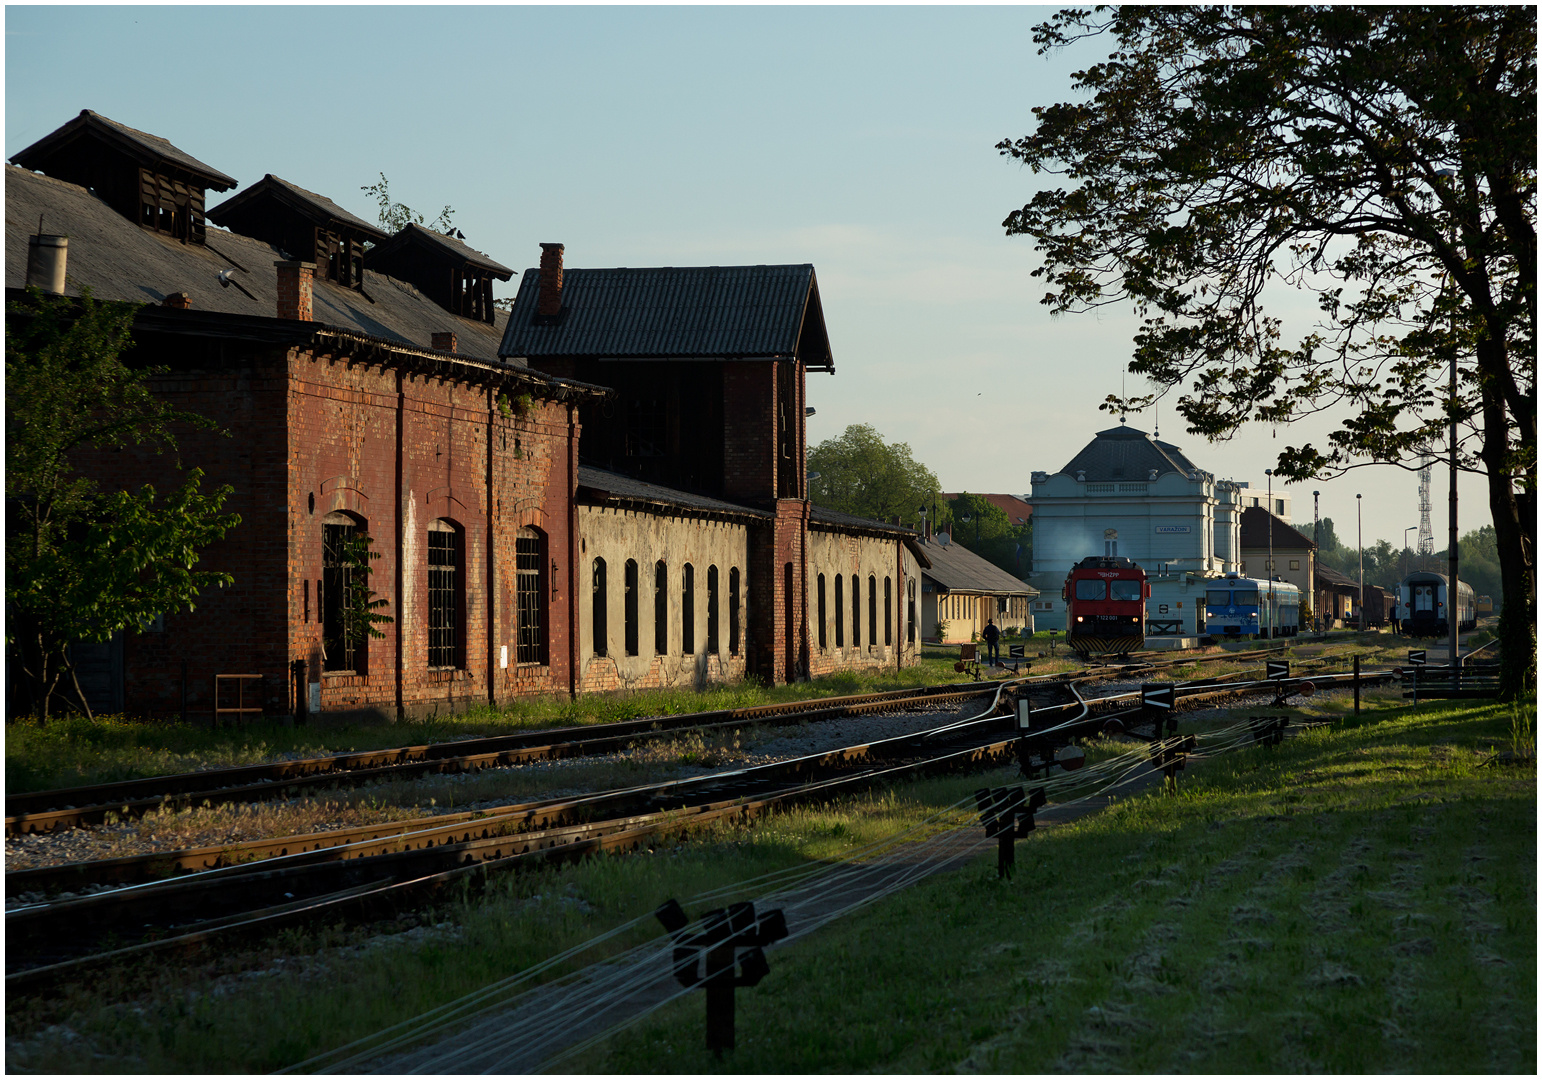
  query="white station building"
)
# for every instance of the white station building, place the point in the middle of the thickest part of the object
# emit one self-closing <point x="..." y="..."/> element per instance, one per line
<point x="1129" y="494"/>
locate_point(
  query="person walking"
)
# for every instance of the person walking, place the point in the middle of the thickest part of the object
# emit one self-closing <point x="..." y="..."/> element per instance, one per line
<point x="992" y="636"/>
<point x="1396" y="627"/>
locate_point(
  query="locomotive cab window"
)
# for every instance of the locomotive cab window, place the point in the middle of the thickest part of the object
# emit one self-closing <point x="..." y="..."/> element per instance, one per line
<point x="1125" y="589"/>
<point x="1091" y="589"/>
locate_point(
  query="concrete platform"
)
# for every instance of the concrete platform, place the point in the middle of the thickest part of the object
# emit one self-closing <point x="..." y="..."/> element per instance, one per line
<point x="1172" y="642"/>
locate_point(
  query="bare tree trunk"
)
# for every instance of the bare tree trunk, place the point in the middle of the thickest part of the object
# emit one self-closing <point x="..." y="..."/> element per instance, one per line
<point x="85" y="706"/>
<point x="1515" y="526"/>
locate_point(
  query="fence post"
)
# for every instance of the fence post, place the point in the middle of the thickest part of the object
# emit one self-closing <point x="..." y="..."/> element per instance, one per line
<point x="1357" y="684"/>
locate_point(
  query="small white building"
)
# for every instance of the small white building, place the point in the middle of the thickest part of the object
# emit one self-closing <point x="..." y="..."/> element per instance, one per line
<point x="1128" y="494"/>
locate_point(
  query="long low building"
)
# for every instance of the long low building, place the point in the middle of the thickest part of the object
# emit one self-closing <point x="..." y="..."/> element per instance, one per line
<point x="601" y="488"/>
<point x="961" y="592"/>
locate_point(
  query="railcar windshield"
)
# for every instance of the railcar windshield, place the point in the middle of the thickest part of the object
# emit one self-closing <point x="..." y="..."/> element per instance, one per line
<point x="1247" y="598"/>
<point x="1091" y="589"/>
<point x="1125" y="589"/>
<point x="1218" y="597"/>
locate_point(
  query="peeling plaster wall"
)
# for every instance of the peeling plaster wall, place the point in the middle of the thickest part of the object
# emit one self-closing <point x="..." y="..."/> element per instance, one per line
<point x="872" y="560"/>
<point x="617" y="535"/>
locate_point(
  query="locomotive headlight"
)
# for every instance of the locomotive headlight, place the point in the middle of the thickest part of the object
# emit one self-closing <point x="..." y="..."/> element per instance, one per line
<point x="1078" y="618"/>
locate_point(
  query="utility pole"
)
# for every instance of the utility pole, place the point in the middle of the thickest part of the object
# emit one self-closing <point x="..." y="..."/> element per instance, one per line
<point x="1360" y="543"/>
<point x="1269" y="524"/>
<point x="1452" y="607"/>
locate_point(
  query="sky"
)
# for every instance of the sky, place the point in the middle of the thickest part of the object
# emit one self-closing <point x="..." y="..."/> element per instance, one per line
<point x="858" y="139"/>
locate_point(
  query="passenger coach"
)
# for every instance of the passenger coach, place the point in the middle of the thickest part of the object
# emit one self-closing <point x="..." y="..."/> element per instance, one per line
<point x="1238" y="606"/>
<point x="1423" y="600"/>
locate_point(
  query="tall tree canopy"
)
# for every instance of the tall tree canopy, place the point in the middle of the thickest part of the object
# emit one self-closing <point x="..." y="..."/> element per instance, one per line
<point x="1381" y="158"/>
<point x="82" y="564"/>
<point x="861" y="474"/>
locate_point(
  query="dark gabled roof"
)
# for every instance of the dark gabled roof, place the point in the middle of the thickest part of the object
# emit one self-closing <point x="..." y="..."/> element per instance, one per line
<point x="148" y="149"/>
<point x="957" y="569"/>
<point x="1128" y="455"/>
<point x="118" y="260"/>
<point x="1258" y="523"/>
<point x="675" y="312"/>
<point x="600" y="485"/>
<point x="415" y="235"/>
<point x="319" y="208"/>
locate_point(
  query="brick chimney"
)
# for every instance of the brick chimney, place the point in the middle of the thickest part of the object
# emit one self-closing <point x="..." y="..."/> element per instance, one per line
<point x="549" y="303"/>
<point x="444" y="340"/>
<point x="294" y="289"/>
<point x="179" y="300"/>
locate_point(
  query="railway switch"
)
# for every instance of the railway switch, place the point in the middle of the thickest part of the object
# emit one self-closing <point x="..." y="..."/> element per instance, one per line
<point x="717" y="939"/>
<point x="1269" y="730"/>
<point x="1169" y="754"/>
<point x="1007" y="816"/>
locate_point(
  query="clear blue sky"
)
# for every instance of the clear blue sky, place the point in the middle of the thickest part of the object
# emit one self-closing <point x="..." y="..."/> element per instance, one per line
<point x="859" y="139"/>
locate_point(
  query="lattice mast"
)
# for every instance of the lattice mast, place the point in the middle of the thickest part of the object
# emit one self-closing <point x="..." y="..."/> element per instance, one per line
<point x="1426" y="530"/>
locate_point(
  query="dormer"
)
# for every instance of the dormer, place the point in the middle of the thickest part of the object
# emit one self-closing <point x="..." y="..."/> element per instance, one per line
<point x="456" y="277"/>
<point x="303" y="225"/>
<point x="141" y="176"/>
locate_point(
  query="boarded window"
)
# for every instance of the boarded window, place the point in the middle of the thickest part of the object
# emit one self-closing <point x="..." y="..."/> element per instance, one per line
<point x="530" y="591"/>
<point x="888" y="611"/>
<point x="631" y="607"/>
<point x="840" y="612"/>
<point x="600" y="616"/>
<point x="661" y="608"/>
<point x="872" y="610"/>
<point x="444" y="574"/>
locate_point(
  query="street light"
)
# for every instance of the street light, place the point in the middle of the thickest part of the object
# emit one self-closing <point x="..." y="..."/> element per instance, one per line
<point x="1406" y="531"/>
<point x="1269" y="524"/>
<point x="1360" y="543"/>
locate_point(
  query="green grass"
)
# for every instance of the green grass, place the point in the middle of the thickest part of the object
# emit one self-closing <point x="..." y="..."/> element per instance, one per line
<point x="71" y="751"/>
<point x="1361" y="898"/>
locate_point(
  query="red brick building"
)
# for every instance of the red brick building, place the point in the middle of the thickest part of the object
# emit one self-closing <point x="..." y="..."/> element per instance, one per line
<point x="369" y="385"/>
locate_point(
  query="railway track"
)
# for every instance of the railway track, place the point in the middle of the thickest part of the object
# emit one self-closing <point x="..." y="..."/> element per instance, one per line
<point x="349" y="873"/>
<point x="44" y="811"/>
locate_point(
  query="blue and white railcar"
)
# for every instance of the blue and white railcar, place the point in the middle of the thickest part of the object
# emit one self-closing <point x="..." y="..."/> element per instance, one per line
<point x="1425" y="606"/>
<point x="1237" y="606"/>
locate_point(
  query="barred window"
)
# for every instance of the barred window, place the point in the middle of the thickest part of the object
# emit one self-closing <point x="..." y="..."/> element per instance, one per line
<point x="688" y="610"/>
<point x="733" y="611"/>
<point x="339" y="654"/>
<point x="530" y="591"/>
<point x="599" y="612"/>
<point x="444" y="562"/>
<point x="821" y="611"/>
<point x="712" y="609"/>
<point x="631" y="607"/>
<point x="661" y="608"/>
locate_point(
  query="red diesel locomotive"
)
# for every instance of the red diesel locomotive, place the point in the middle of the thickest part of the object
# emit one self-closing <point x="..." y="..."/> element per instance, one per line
<point x="1105" y="606"/>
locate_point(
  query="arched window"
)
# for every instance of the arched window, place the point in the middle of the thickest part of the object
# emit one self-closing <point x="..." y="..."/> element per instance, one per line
<point x="856" y="611"/>
<point x="910" y="612"/>
<point x="840" y="612"/>
<point x="888" y="611"/>
<point x="712" y="609"/>
<point x="530" y="595"/>
<point x="661" y="608"/>
<point x="631" y="607"/>
<point x="822" y="643"/>
<point x="688" y="610"/>
<point x="733" y="611"/>
<point x="341" y="576"/>
<point x="872" y="609"/>
<point x="445" y="550"/>
<point x="601" y="616"/>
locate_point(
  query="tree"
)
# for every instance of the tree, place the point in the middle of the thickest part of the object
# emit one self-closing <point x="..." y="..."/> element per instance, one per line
<point x="395" y="216"/>
<point x="984" y="528"/>
<point x="1383" y="158"/>
<point x="1329" y="538"/>
<point x="859" y="473"/>
<point x="82" y="564"/>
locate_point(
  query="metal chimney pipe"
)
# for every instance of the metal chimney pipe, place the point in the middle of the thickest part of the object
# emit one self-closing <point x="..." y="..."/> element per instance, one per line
<point x="46" y="258"/>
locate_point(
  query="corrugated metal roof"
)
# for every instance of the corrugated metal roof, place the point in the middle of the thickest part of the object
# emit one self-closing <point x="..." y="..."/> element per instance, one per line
<point x="293" y="194"/>
<point x="1128" y="454"/>
<point x="142" y="143"/>
<point x="958" y="569"/>
<point x="669" y="312"/>
<point x="118" y="260"/>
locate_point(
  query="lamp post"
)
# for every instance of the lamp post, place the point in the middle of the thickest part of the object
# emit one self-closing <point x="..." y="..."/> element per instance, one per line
<point x="1406" y="531"/>
<point x="1360" y="544"/>
<point x="1269" y="565"/>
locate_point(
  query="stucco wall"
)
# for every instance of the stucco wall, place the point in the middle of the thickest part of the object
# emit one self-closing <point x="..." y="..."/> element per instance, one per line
<point x="873" y="561"/>
<point x="618" y="535"/>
